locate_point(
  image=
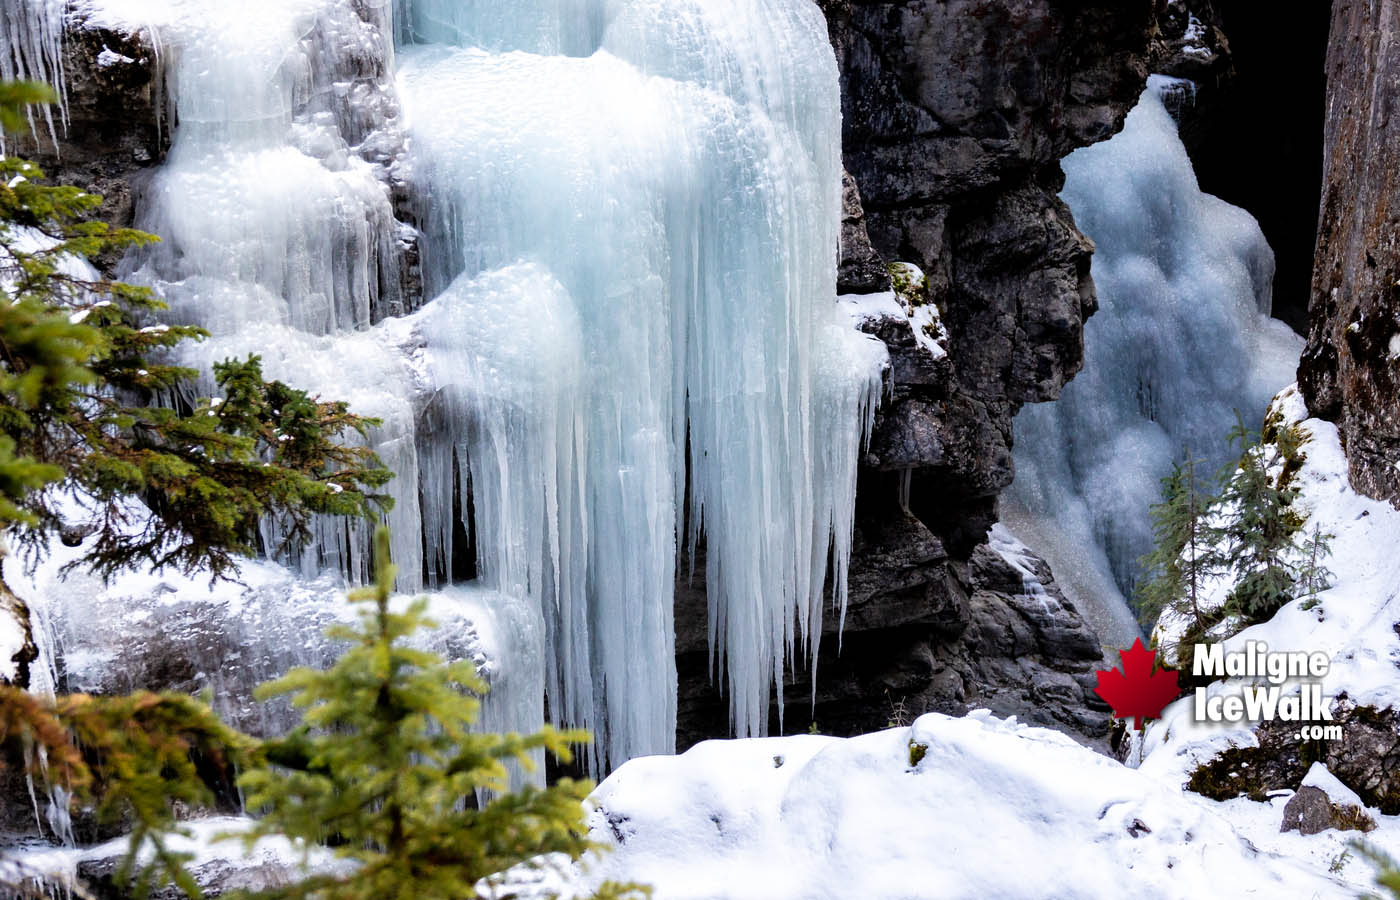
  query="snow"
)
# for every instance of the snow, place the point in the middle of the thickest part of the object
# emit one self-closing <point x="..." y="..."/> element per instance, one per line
<point x="924" y="320"/>
<point x="812" y="816"/>
<point x="109" y="57"/>
<point x="1321" y="778"/>
<point x="1353" y="620"/>
<point x="1182" y="339"/>
<point x="993" y="809"/>
<point x="212" y="844"/>
<point x="864" y="308"/>
<point x="12" y="639"/>
<point x="1353" y="623"/>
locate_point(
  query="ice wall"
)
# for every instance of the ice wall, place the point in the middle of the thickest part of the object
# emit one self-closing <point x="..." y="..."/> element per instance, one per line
<point x="683" y="370"/>
<point x="274" y="211"/>
<point x="1181" y="340"/>
<point x="627" y="213"/>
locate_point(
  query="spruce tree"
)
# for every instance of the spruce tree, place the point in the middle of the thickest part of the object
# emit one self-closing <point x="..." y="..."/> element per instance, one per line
<point x="386" y="767"/>
<point x="85" y="448"/>
<point x="123" y="761"/>
<point x="1259" y="533"/>
<point x="1184" y="553"/>
<point x="1313" y="575"/>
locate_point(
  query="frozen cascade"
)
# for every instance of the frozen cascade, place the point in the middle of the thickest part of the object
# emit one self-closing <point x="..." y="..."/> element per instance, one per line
<point x="277" y="229"/>
<point x="1181" y="340"/>
<point x="688" y="224"/>
<point x="629" y="345"/>
<point x="185" y="634"/>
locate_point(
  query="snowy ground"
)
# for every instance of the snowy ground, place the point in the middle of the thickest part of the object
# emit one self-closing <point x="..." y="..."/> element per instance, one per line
<point x="993" y="809"/>
<point x="1353" y="622"/>
<point x="215" y="857"/>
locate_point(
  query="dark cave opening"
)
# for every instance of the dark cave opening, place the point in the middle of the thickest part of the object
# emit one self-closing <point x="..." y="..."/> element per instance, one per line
<point x="1257" y="140"/>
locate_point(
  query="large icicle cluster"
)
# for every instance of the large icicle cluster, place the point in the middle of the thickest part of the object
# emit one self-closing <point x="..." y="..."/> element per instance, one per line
<point x="31" y="49"/>
<point x="1181" y="340"/>
<point x="682" y="371"/>
<point x="628" y="351"/>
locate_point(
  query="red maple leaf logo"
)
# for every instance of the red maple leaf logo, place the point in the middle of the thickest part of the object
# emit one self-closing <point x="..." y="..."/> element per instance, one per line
<point x="1138" y="692"/>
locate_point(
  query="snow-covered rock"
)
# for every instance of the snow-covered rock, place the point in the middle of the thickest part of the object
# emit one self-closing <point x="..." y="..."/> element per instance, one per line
<point x="1353" y="622"/>
<point x="218" y="861"/>
<point x="949" y="807"/>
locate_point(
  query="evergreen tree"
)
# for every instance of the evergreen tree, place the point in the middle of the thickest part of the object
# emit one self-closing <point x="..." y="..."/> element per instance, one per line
<point x="82" y="363"/>
<point x="1259" y="533"/>
<point x="1313" y="576"/>
<point x="1184" y="553"/>
<point x="385" y="768"/>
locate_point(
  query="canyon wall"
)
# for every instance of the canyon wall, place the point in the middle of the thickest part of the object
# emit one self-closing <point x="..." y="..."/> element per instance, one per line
<point x="1350" y="372"/>
<point x="956" y="116"/>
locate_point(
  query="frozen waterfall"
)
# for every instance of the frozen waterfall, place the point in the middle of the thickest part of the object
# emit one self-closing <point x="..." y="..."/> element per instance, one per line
<point x="672" y="362"/>
<point x="624" y="217"/>
<point x="1181" y="340"/>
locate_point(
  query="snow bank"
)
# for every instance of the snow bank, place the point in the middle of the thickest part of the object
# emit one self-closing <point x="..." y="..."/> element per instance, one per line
<point x="216" y="858"/>
<point x="1353" y="622"/>
<point x="992" y="808"/>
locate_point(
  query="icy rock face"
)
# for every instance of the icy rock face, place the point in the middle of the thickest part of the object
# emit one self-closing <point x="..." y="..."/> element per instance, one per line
<point x="215" y="858"/>
<point x="955" y="116"/>
<point x="32" y="50"/>
<point x="145" y="631"/>
<point x="108" y="128"/>
<point x="1182" y="340"/>
<point x="1350" y="372"/>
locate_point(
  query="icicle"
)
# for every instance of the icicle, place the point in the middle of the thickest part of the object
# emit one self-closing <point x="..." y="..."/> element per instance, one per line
<point x="277" y="228"/>
<point x="630" y="214"/>
<point x="689" y="219"/>
<point x="571" y="27"/>
<point x="32" y="50"/>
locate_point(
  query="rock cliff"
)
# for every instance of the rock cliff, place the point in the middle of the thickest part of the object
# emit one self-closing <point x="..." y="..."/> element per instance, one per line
<point x="1350" y="371"/>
